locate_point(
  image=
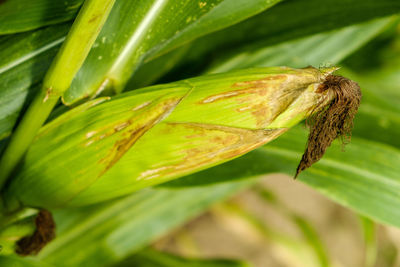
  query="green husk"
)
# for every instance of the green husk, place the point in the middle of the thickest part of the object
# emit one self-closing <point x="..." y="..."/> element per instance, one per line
<point x="101" y="151"/>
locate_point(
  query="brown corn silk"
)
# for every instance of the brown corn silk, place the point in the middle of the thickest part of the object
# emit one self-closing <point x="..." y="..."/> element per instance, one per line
<point x="44" y="233"/>
<point x="332" y="121"/>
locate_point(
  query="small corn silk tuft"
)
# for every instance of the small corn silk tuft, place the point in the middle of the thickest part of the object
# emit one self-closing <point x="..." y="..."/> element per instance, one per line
<point x="45" y="232"/>
<point x="333" y="121"/>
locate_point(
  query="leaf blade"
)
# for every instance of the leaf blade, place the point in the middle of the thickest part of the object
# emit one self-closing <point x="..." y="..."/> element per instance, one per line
<point x="21" y="15"/>
<point x="364" y="178"/>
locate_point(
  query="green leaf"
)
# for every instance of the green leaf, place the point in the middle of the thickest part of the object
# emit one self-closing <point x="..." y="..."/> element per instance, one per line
<point x="149" y="72"/>
<point x="24" y="61"/>
<point x="293" y="19"/>
<point x="153" y="258"/>
<point x="25" y="15"/>
<point x="364" y="177"/>
<point x="16" y="261"/>
<point x="312" y="239"/>
<point x="378" y="117"/>
<point x="136" y="30"/>
<point x="111" y="231"/>
<point x="370" y="241"/>
<point x="317" y="50"/>
<point x="286" y="21"/>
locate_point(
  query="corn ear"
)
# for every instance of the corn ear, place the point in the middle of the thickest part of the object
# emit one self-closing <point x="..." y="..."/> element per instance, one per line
<point x="111" y="147"/>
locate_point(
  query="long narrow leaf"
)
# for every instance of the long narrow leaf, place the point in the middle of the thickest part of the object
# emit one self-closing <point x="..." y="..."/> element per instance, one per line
<point x="294" y="19"/>
<point x="364" y="177"/>
<point x="322" y="49"/>
<point x="23" y="64"/>
<point x="153" y="258"/>
<point x="24" y="15"/>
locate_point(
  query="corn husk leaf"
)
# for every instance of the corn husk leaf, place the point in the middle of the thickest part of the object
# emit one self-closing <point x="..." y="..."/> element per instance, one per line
<point x="162" y="132"/>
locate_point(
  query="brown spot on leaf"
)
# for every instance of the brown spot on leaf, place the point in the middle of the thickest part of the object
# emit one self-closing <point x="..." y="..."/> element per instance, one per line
<point x="104" y="84"/>
<point x="265" y="98"/>
<point x="121" y="126"/>
<point x="121" y="146"/>
<point x="216" y="143"/>
<point x="261" y="82"/>
<point x="333" y="121"/>
<point x="112" y="130"/>
<point x="260" y="113"/>
<point x="255" y="87"/>
<point x="44" y="233"/>
<point x="94" y="18"/>
<point x="143" y="105"/>
<point x="222" y="96"/>
<point x="48" y="93"/>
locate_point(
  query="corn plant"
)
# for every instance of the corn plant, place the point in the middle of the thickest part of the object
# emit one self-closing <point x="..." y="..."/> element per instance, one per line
<point x="120" y="120"/>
